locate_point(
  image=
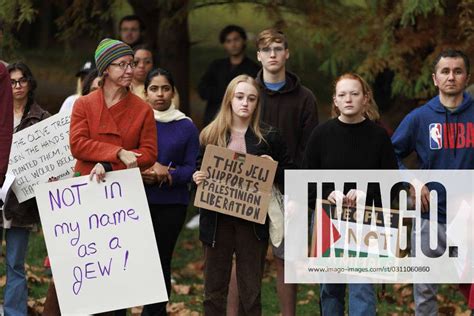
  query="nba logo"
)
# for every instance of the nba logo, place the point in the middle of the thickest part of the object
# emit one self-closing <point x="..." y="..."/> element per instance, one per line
<point x="436" y="138"/>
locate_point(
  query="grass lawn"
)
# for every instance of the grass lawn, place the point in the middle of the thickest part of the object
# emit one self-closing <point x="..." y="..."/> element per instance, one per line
<point x="187" y="295"/>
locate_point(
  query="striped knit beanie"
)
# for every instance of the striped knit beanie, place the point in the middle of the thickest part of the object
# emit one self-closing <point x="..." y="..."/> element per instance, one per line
<point x="108" y="51"/>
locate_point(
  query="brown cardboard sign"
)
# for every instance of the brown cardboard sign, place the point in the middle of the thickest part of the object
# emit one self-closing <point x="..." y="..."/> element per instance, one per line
<point x="237" y="184"/>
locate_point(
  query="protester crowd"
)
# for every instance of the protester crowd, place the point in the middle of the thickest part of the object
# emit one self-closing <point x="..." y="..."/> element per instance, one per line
<point x="125" y="114"/>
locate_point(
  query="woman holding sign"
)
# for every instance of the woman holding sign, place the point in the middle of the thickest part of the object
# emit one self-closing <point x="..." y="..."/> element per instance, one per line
<point x="237" y="127"/>
<point x="351" y="140"/>
<point x="166" y="182"/>
<point x="111" y="128"/>
<point x="19" y="218"/>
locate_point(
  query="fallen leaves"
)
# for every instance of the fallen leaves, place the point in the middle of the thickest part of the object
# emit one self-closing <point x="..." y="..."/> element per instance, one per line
<point x="450" y="301"/>
<point x="182" y="289"/>
<point x="309" y="298"/>
<point x="179" y="309"/>
<point x="35" y="307"/>
<point x="192" y="270"/>
<point x="35" y="277"/>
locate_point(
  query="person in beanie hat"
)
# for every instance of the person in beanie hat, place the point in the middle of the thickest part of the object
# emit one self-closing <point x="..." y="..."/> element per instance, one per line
<point x="108" y="51"/>
<point x="95" y="135"/>
<point x="112" y="128"/>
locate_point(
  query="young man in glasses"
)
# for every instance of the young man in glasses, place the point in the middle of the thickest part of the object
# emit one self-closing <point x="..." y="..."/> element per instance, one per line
<point x="221" y="71"/>
<point x="291" y="108"/>
<point x="287" y="104"/>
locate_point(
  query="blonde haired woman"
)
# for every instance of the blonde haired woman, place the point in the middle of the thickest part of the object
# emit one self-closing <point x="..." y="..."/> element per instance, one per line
<point x="237" y="127"/>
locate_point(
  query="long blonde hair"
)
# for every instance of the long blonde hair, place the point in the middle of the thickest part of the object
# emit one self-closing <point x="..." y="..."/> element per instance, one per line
<point x="218" y="131"/>
<point x="372" y="110"/>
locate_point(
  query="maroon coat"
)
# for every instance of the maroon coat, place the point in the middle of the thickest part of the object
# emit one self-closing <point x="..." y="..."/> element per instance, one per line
<point x="6" y="120"/>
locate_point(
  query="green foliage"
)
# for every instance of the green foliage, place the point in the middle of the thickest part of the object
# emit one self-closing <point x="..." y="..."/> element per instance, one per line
<point x="414" y="8"/>
<point x="85" y="17"/>
<point x="370" y="37"/>
<point x="13" y="13"/>
<point x="16" y="12"/>
<point x="365" y="36"/>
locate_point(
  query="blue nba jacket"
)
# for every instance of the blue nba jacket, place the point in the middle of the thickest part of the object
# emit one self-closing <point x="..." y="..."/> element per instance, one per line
<point x="441" y="139"/>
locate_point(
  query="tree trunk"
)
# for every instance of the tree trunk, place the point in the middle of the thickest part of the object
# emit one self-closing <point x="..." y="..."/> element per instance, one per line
<point x="174" y="49"/>
<point x="167" y="34"/>
<point x="45" y="15"/>
<point x="149" y="12"/>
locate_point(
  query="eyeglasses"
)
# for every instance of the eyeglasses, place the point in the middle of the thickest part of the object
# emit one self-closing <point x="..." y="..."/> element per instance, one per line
<point x="21" y="82"/>
<point x="123" y="65"/>
<point x="275" y="50"/>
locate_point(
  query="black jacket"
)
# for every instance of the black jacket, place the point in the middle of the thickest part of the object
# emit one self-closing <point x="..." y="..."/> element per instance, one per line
<point x="214" y="82"/>
<point x="292" y="110"/>
<point x="274" y="147"/>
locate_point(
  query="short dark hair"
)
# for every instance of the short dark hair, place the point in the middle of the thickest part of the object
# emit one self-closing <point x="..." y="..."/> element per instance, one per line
<point x="26" y="72"/>
<point x="132" y="18"/>
<point x="87" y="82"/>
<point x="452" y="53"/>
<point x="159" y="72"/>
<point x="144" y="47"/>
<point x="229" y="29"/>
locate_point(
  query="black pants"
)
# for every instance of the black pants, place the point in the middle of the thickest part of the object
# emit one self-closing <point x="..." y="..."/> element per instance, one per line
<point x="168" y="220"/>
<point x="234" y="235"/>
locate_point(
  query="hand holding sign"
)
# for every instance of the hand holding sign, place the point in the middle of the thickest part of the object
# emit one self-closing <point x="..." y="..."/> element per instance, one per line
<point x="199" y="177"/>
<point x="100" y="239"/>
<point x="235" y="184"/>
<point x="98" y="171"/>
<point x="267" y="157"/>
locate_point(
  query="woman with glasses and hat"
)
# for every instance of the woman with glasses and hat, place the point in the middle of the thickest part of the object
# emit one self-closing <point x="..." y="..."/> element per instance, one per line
<point x="102" y="135"/>
<point x="19" y="218"/>
<point x="112" y="128"/>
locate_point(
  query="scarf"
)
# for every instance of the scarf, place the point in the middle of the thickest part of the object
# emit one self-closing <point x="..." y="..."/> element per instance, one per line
<point x="169" y="115"/>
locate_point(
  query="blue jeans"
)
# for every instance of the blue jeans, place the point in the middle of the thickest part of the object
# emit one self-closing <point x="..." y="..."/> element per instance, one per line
<point x="426" y="302"/>
<point x="361" y="299"/>
<point x="16" y="291"/>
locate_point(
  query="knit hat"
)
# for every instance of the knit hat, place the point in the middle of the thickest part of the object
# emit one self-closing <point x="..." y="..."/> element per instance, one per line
<point x="108" y="51"/>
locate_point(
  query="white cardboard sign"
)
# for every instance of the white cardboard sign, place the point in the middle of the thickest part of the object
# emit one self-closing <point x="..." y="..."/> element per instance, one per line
<point x="40" y="152"/>
<point x="101" y="243"/>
